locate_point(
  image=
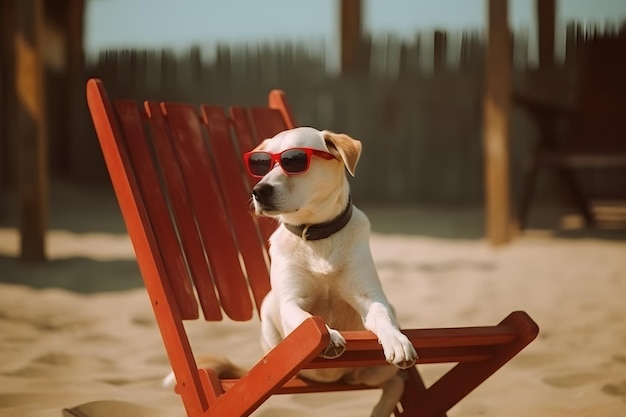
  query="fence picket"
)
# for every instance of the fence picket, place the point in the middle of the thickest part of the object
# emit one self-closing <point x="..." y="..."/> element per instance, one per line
<point x="414" y="103"/>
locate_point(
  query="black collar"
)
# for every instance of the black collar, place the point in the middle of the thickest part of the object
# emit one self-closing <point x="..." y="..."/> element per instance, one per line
<point x="322" y="230"/>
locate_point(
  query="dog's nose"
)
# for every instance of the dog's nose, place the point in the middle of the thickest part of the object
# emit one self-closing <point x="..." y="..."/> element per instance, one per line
<point x="263" y="193"/>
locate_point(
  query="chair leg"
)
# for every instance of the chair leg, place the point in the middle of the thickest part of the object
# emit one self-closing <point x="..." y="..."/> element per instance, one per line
<point x="528" y="191"/>
<point x="575" y="191"/>
<point x="436" y="400"/>
<point x="415" y="395"/>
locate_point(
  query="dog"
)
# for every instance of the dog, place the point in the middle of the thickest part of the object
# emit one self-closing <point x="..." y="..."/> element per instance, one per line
<point x="321" y="262"/>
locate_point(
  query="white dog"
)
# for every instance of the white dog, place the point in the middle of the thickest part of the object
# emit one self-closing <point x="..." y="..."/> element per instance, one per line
<point x="321" y="262"/>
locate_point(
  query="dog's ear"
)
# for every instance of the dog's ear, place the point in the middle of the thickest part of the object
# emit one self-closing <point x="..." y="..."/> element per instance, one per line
<point x="348" y="149"/>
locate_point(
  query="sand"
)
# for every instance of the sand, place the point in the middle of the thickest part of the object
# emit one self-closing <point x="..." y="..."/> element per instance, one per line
<point x="100" y="353"/>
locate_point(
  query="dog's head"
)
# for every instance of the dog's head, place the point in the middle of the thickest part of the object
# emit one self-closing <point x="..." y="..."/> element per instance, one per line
<point x="312" y="196"/>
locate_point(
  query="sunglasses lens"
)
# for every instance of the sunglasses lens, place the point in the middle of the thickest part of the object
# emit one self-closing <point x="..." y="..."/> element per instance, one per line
<point x="259" y="163"/>
<point x="294" y="161"/>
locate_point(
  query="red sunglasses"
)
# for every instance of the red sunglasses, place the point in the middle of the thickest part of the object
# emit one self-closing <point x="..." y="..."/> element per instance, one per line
<point x="292" y="161"/>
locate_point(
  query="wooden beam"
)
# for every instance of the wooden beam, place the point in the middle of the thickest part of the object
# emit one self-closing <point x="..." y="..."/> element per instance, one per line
<point x="351" y="35"/>
<point x="7" y="93"/>
<point x="546" y="21"/>
<point x="496" y="103"/>
<point x="31" y="129"/>
<point x="73" y="78"/>
<point x="440" y="46"/>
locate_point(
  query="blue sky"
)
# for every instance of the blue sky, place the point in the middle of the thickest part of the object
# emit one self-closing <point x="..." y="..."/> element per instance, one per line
<point x="165" y="23"/>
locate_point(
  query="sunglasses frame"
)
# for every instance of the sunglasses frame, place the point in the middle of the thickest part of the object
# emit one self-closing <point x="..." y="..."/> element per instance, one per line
<point x="275" y="158"/>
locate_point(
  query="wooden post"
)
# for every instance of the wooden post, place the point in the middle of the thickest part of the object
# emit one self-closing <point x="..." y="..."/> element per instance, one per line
<point x="546" y="20"/>
<point x="7" y="94"/>
<point x="496" y="103"/>
<point x="351" y="34"/>
<point x="31" y="129"/>
<point x="440" y="47"/>
<point x="74" y="74"/>
<point x="571" y="45"/>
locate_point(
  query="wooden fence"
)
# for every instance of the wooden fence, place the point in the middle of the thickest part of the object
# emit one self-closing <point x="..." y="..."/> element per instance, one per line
<point x="415" y="105"/>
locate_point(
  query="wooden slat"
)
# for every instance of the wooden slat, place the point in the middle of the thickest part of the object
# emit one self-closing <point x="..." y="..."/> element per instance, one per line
<point x="183" y="215"/>
<point x="247" y="140"/>
<point x="237" y="197"/>
<point x="266" y="122"/>
<point x="213" y="222"/>
<point x="243" y="130"/>
<point x="154" y="200"/>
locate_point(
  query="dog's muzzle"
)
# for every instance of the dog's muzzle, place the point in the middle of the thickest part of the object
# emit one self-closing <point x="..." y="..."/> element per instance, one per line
<point x="263" y="195"/>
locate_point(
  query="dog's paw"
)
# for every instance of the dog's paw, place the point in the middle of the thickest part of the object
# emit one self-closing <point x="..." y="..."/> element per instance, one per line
<point x="399" y="350"/>
<point x="336" y="346"/>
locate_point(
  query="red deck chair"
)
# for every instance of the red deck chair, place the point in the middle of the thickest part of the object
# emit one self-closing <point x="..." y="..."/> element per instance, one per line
<point x="184" y="196"/>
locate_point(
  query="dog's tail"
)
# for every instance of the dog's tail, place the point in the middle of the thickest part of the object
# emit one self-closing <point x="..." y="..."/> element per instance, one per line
<point x="220" y="365"/>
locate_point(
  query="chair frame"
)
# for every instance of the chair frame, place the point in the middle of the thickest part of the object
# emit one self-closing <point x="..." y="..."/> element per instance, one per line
<point x="592" y="140"/>
<point x="163" y="238"/>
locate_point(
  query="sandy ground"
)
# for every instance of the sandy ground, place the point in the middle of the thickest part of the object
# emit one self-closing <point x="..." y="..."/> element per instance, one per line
<point x="92" y="341"/>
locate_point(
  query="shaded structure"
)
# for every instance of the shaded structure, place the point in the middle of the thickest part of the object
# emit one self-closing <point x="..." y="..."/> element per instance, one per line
<point x="64" y="19"/>
<point x="40" y="40"/>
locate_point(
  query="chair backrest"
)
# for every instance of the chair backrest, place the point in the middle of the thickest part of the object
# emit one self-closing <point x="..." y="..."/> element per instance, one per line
<point x="185" y="198"/>
<point x="182" y="169"/>
<point x="600" y="124"/>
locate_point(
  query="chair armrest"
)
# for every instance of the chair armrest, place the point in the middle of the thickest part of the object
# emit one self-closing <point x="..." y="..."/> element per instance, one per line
<point x="278" y="366"/>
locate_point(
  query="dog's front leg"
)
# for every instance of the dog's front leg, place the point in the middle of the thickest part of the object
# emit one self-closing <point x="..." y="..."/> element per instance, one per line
<point x="380" y="320"/>
<point x="363" y="291"/>
<point x="293" y="315"/>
